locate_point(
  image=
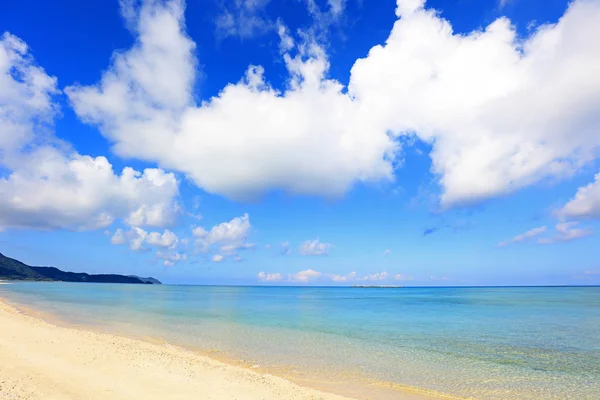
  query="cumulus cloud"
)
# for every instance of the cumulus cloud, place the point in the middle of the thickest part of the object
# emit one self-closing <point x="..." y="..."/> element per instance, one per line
<point x="118" y="237"/>
<point x="136" y="238"/>
<point x="170" y="258"/>
<point x="501" y="113"/>
<point x="233" y="231"/>
<point x="379" y="276"/>
<point x="586" y="203"/>
<point x="524" y="236"/>
<point x="342" y="278"/>
<point x="27" y="109"/>
<point x="276" y="277"/>
<point x="566" y="232"/>
<point x="230" y="237"/>
<point x="226" y="239"/>
<point x="304" y="276"/>
<point x="314" y="248"/>
<point x="139" y="239"/>
<point x="47" y="184"/>
<point x="249" y="139"/>
<point x="167" y="239"/>
<point x="48" y="189"/>
<point x="311" y="275"/>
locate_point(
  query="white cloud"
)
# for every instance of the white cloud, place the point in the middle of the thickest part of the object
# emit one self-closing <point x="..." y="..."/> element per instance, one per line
<point x="234" y="231"/>
<point x="47" y="184"/>
<point x="353" y="276"/>
<point x="322" y="20"/>
<point x="311" y="275"/>
<point x="171" y="258"/>
<point x="565" y="232"/>
<point x="27" y="109"/>
<point x="336" y="6"/>
<point x="249" y="139"/>
<point x="586" y="203"/>
<point x="231" y="236"/>
<point x="304" y="276"/>
<point x="387" y="252"/>
<point x="167" y="239"/>
<point x="286" y="42"/>
<point x="244" y="19"/>
<point x="342" y="278"/>
<point x="234" y="248"/>
<point x="524" y="236"/>
<point x="118" y="237"/>
<point x="226" y="238"/>
<point x="199" y="232"/>
<point x="138" y="238"/>
<point x="501" y="113"/>
<point x="276" y="277"/>
<point x="314" y="248"/>
<point x="48" y="189"/>
<point x="379" y="276"/>
<point x="217" y="258"/>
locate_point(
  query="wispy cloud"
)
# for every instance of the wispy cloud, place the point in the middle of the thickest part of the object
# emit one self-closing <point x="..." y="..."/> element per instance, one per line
<point x="314" y="248"/>
<point x="285" y="248"/>
<point x="524" y="236"/>
<point x="565" y="232"/>
<point x="244" y="19"/>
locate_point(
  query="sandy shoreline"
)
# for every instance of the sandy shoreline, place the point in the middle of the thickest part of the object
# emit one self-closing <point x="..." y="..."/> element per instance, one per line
<point x="39" y="360"/>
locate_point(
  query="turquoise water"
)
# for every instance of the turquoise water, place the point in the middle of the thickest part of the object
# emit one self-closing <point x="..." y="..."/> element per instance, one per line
<point x="488" y="343"/>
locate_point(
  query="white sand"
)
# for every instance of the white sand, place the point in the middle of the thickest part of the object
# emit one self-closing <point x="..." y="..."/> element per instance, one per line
<point x="39" y="360"/>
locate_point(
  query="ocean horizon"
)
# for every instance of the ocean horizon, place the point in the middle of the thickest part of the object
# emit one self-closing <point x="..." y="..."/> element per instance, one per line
<point x="473" y="342"/>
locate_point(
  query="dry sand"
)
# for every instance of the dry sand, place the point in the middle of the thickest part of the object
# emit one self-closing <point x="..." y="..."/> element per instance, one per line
<point x="39" y="360"/>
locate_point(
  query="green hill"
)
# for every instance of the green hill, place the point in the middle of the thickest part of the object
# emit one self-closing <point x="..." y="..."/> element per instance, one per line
<point x="12" y="269"/>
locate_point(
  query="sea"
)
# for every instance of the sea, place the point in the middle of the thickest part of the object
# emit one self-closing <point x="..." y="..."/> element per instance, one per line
<point x="458" y="342"/>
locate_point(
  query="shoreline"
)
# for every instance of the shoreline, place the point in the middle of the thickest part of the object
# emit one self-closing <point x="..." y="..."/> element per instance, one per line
<point x="55" y="336"/>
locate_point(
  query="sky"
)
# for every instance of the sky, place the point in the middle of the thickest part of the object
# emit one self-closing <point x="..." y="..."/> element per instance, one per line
<point x="303" y="142"/>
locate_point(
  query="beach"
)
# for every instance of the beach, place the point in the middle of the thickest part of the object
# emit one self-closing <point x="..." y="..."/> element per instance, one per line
<point x="106" y="340"/>
<point x="39" y="360"/>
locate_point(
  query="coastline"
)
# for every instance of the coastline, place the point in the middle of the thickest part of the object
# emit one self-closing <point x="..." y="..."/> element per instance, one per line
<point x="40" y="358"/>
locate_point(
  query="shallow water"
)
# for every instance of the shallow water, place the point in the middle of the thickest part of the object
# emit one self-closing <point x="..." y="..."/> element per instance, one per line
<point x="488" y="343"/>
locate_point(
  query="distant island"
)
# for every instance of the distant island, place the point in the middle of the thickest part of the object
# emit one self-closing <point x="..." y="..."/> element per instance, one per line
<point x="11" y="269"/>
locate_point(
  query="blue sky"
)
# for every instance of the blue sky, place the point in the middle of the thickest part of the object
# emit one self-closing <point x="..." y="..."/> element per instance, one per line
<point x="303" y="142"/>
